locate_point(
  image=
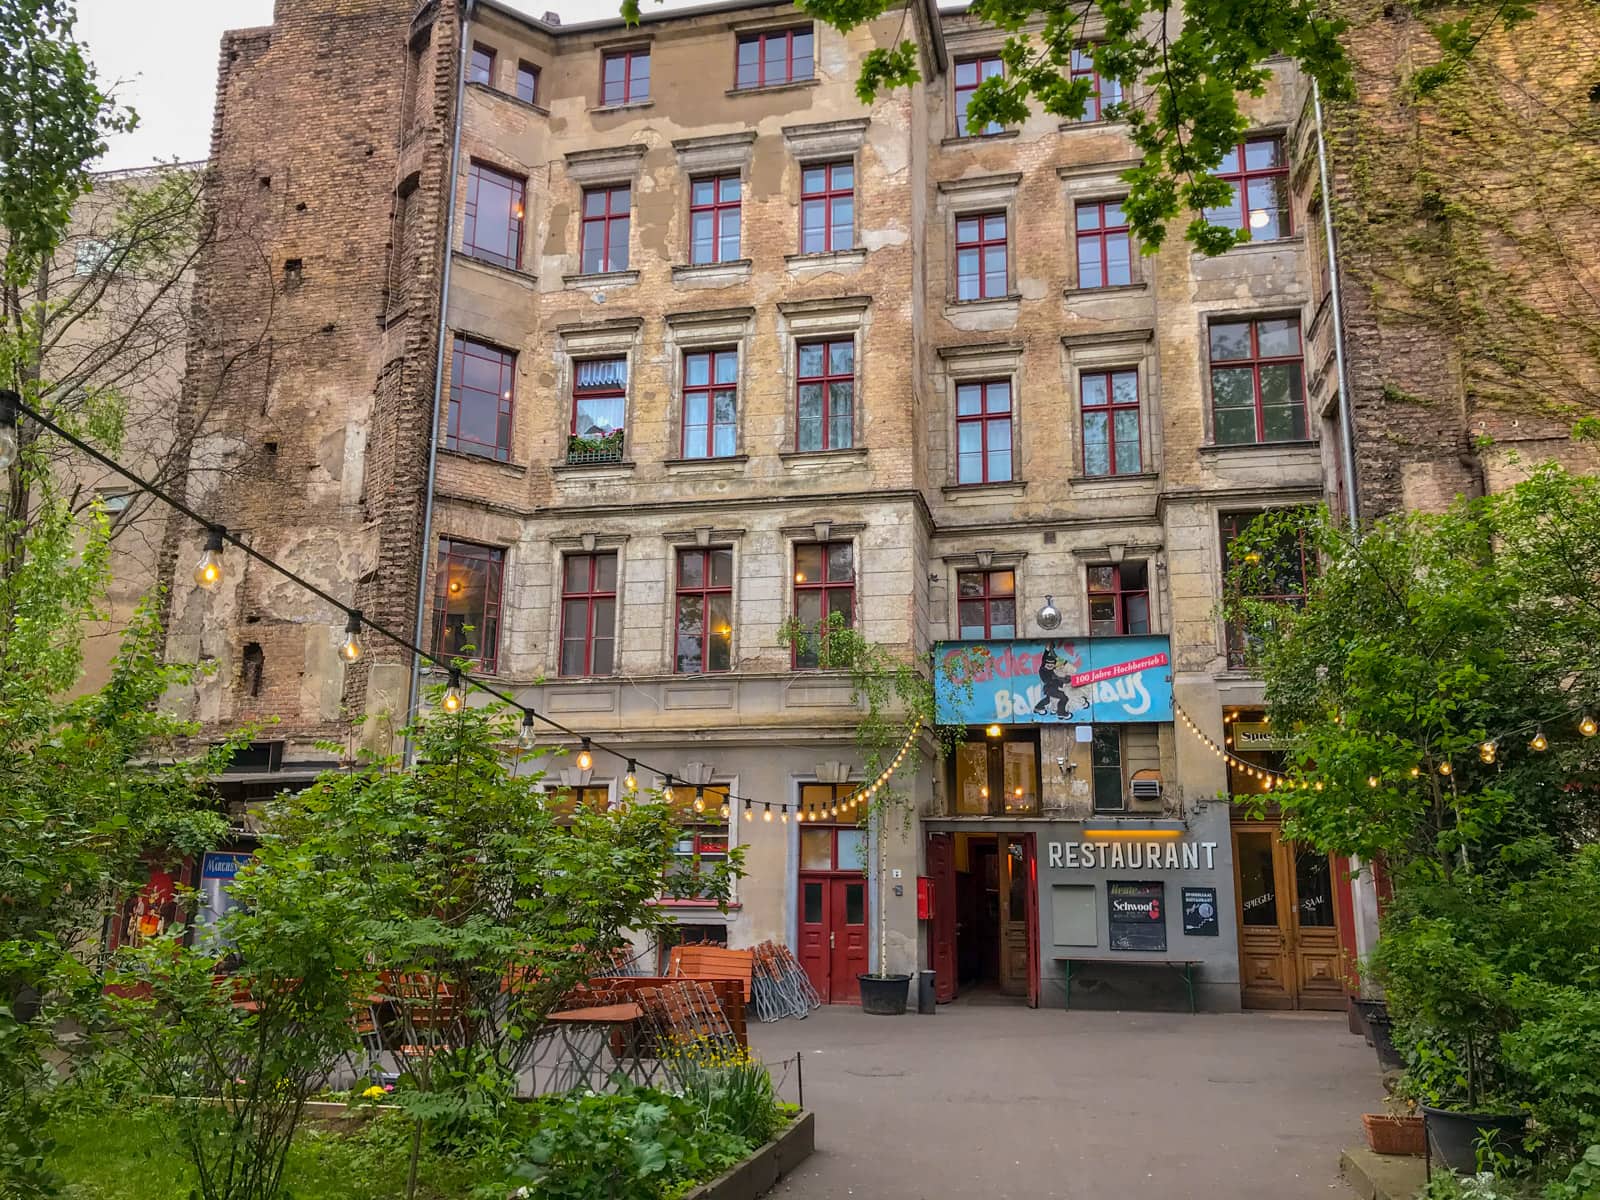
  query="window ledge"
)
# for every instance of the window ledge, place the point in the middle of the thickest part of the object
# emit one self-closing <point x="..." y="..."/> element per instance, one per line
<point x="822" y="458"/>
<point x="823" y="260"/>
<point x="1097" y="480"/>
<point x="522" y="277"/>
<point x="509" y="468"/>
<point x="986" y="304"/>
<point x="762" y="90"/>
<point x="601" y="279"/>
<point x="517" y="100"/>
<point x="1244" y="447"/>
<point x="1110" y="292"/>
<point x="631" y="104"/>
<point x="974" y="139"/>
<point x="733" y="268"/>
<point x="1099" y="123"/>
<point x="1008" y="488"/>
<point x="617" y="468"/>
<point x="1259" y="245"/>
<point x="721" y="464"/>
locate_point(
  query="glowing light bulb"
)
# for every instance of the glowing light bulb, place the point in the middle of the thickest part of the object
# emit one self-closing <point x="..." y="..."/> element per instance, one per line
<point x="1587" y="726"/>
<point x="994" y="731"/>
<point x="631" y="779"/>
<point x="1415" y="772"/>
<point x="1372" y="781"/>
<point x="525" y="737"/>
<point x="208" y="571"/>
<point x="749" y="813"/>
<point x="699" y="800"/>
<point x="585" y="758"/>
<point x="350" y="648"/>
<point x="1018" y="793"/>
<point x="453" y="697"/>
<point x="1445" y="768"/>
<point x="666" y="790"/>
<point x="1486" y="752"/>
<point x="1540" y="742"/>
<point x="724" y="810"/>
<point x="766" y="813"/>
<point x="799" y="576"/>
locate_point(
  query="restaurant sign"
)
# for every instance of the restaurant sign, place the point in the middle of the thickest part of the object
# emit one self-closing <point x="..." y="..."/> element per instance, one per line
<point x="1087" y="681"/>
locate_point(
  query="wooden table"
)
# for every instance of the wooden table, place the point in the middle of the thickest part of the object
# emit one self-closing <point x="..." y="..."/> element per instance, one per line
<point x="571" y="1026"/>
<point x="1187" y="965"/>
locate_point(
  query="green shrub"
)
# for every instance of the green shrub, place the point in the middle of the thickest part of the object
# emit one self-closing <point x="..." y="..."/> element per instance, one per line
<point x="640" y="1144"/>
<point x="731" y="1088"/>
<point x="1554" y="1057"/>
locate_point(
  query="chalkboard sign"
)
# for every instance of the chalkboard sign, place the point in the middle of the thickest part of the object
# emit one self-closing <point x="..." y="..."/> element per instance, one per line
<point x="1200" y="911"/>
<point x="1138" y="916"/>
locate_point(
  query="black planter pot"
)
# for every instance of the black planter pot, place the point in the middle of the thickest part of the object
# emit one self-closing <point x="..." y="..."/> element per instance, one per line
<point x="884" y="995"/>
<point x="1381" y="1030"/>
<point x="1365" y="1010"/>
<point x="1454" y="1136"/>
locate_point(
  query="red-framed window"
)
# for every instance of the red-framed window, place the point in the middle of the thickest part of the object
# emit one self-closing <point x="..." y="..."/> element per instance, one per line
<point x="589" y="613"/>
<point x="1109" y="403"/>
<point x="983" y="431"/>
<point x="981" y="256"/>
<point x="466" y="602"/>
<point x="599" y="410"/>
<point x="480" y="68"/>
<point x="1286" y="578"/>
<point x="606" y="212"/>
<point x="1259" y="172"/>
<point x="527" y="83"/>
<point x="1106" y="91"/>
<point x="1105" y="257"/>
<point x="703" y="838"/>
<point x="625" y="77"/>
<point x="986" y="604"/>
<point x="825" y="395"/>
<point x="1257" y="381"/>
<point x="829" y="842"/>
<point x="827" y="207"/>
<point x="768" y="59"/>
<point x="710" y="403"/>
<point x="714" y="219"/>
<point x="479" y="418"/>
<point x="824" y="584"/>
<point x="703" y="633"/>
<point x="969" y="73"/>
<point x="493" y="224"/>
<point x="1119" y="598"/>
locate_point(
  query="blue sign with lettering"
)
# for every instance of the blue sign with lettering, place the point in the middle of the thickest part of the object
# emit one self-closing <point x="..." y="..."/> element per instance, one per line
<point x="1079" y="681"/>
<point x="222" y="864"/>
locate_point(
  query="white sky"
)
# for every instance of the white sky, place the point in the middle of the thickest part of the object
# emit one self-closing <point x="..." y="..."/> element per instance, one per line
<point x="162" y="55"/>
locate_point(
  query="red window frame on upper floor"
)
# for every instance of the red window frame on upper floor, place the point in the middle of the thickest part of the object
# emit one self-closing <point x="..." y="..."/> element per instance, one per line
<point x="714" y="217"/>
<point x="824" y="583"/>
<point x="830" y="378"/>
<point x="527" y="83"/>
<point x="1258" y="169"/>
<point x="480" y="68"/>
<point x="495" y="209"/>
<point x="982" y="240"/>
<point x="462" y="568"/>
<point x="986" y="604"/>
<point x="1124" y="589"/>
<point x="1107" y="92"/>
<point x="710" y="403"/>
<point x="968" y="74"/>
<point x="606" y="226"/>
<point x="780" y="56"/>
<point x="703" y="608"/>
<point x="1275" y="382"/>
<point x="827" y="207"/>
<point x="1106" y="402"/>
<point x="589" y="614"/>
<point x="482" y="381"/>
<point x="630" y="83"/>
<point x="984" y="432"/>
<point x="1105" y="247"/>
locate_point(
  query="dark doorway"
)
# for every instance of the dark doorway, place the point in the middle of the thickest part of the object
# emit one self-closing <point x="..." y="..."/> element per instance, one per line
<point x="996" y="917"/>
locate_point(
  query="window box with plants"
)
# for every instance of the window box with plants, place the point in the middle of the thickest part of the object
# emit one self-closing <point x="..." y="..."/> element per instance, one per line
<point x="594" y="449"/>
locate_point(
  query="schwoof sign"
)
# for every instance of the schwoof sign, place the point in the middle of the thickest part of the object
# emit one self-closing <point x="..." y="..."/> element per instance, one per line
<point x="1087" y="681"/>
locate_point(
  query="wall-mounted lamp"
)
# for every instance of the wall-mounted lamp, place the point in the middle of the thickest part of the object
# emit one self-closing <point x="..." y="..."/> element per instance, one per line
<point x="1049" y="616"/>
<point x="1065" y="765"/>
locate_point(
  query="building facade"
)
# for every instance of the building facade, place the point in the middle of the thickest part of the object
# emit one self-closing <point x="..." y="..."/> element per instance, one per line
<point x="604" y="377"/>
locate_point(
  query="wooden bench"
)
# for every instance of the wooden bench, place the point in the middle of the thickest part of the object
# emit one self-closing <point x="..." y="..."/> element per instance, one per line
<point x="1186" y="965"/>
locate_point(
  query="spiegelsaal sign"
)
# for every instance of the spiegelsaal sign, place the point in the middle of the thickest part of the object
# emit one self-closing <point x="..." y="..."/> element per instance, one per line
<point x="1086" y="681"/>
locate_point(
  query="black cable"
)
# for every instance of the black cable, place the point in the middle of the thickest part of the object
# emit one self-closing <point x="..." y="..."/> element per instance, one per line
<point x="355" y="616"/>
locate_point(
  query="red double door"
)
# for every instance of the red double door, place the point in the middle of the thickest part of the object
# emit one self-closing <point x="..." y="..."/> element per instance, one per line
<point x="833" y="933"/>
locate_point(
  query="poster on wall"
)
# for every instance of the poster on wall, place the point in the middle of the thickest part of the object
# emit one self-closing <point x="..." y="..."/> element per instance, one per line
<point x="1138" y="916"/>
<point x="1064" y="681"/>
<point x="1200" y="912"/>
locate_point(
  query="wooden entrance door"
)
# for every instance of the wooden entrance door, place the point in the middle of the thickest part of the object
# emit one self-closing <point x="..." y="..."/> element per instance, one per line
<point x="833" y="934"/>
<point x="942" y="927"/>
<point x="1016" y="936"/>
<point x="1288" y="922"/>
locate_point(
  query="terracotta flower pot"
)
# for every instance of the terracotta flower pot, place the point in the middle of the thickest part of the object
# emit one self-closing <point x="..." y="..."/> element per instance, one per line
<point x="1394" y="1135"/>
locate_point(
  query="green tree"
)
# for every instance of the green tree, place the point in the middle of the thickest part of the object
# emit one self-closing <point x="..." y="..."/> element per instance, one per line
<point x="1433" y="684"/>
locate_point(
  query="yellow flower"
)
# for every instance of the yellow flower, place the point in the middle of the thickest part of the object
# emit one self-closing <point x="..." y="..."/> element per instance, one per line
<point x="374" y="1093"/>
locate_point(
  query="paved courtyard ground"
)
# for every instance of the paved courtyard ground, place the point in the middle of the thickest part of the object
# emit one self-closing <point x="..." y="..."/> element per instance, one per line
<point x="1000" y="1103"/>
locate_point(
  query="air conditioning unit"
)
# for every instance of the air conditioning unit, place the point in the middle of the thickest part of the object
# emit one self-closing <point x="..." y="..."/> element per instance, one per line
<point x="1145" y="789"/>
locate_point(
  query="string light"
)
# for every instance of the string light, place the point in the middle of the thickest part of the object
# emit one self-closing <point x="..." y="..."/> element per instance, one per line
<point x="208" y="571"/>
<point x="1587" y="726"/>
<point x="528" y="734"/>
<point x="766" y="813"/>
<point x="699" y="800"/>
<point x="724" y="810"/>
<point x="350" y="648"/>
<point x="1445" y="768"/>
<point x="453" y="697"/>
<point x="1372" y="781"/>
<point x="1486" y="752"/>
<point x="586" y="757"/>
<point x="783" y="815"/>
<point x="666" y="791"/>
<point x="749" y="813"/>
<point x="1540" y="742"/>
<point x="631" y="779"/>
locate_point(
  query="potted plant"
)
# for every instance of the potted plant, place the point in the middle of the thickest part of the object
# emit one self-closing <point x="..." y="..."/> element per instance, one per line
<point x="1399" y="1129"/>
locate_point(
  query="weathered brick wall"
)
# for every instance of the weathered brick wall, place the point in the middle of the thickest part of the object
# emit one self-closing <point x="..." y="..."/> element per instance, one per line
<point x="1466" y="223"/>
<point x="293" y="325"/>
